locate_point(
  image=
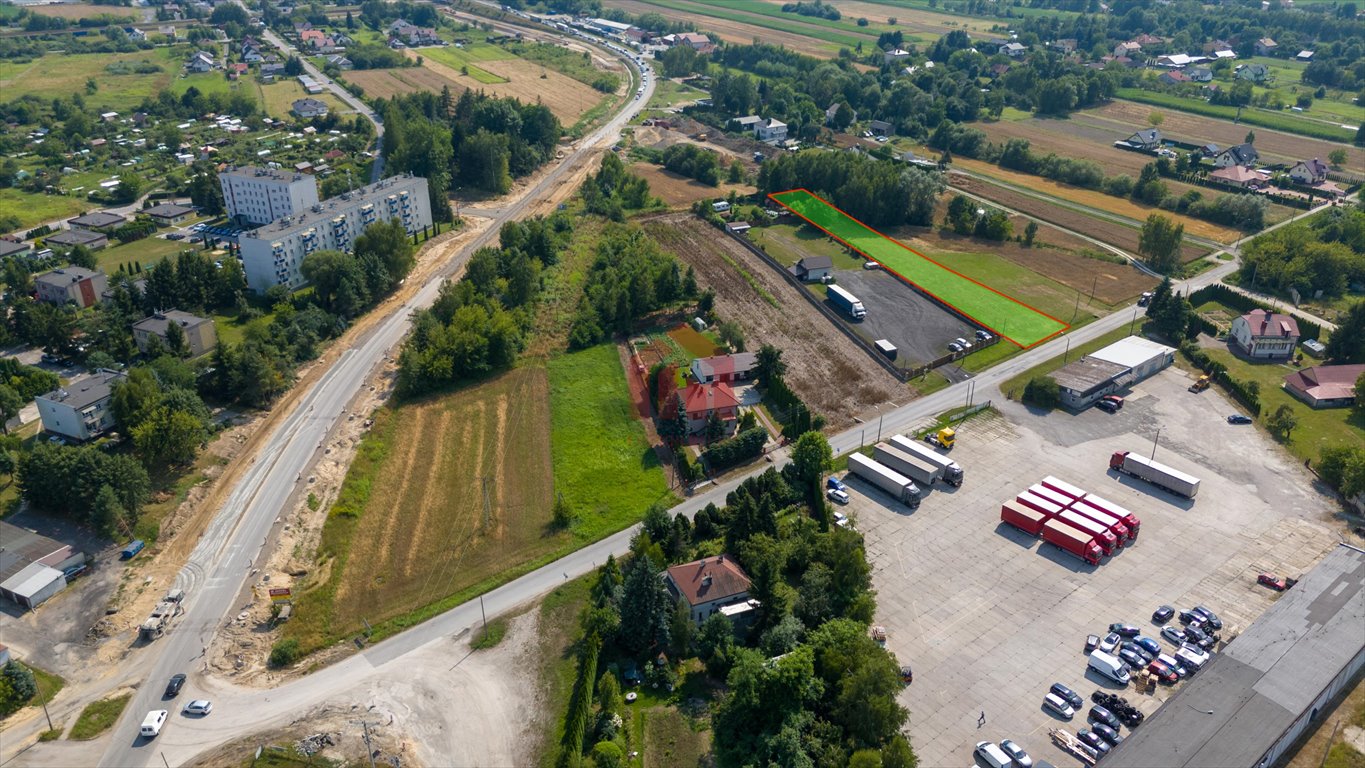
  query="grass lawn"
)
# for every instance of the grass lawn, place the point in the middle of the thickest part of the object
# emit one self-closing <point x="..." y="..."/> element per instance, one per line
<point x="57" y="73"/>
<point x="603" y="466"/>
<point x="556" y="661"/>
<point x="670" y="740"/>
<point x="1001" y="313"/>
<point x="460" y="60"/>
<point x="147" y="252"/>
<point x="48" y="686"/>
<point x="280" y="96"/>
<point x="668" y="93"/>
<point x="98" y="717"/>
<point x="33" y="209"/>
<point x="230" y="328"/>
<point x="1317" y="428"/>
<point x="275" y="756"/>
<point x="1014" y="388"/>
<point x="808" y="239"/>
<point x="1289" y="122"/>
<point x="214" y="82"/>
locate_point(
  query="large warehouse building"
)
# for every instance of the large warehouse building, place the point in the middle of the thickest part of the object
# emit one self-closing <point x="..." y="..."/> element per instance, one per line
<point x="1260" y="695"/>
<point x="1105" y="371"/>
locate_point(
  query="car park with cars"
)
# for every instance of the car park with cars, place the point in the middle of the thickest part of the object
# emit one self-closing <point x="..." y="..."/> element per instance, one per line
<point x="1110" y="642"/>
<point x="1162" y="614"/>
<point x="993" y="756"/>
<point x="1058" y="706"/>
<point x="1094" y="741"/>
<point x="1091" y="642"/>
<point x="1210" y="617"/>
<point x="1124" y="630"/>
<point x="1173" y="634"/>
<point x="1163" y="673"/>
<point x="1017" y="754"/>
<point x="1147" y="644"/>
<point x="1101" y="715"/>
<point x="1067" y="695"/>
<point x="835" y="484"/>
<point x="1108" y="734"/>
<point x="837" y="496"/>
<point x="1133" y="659"/>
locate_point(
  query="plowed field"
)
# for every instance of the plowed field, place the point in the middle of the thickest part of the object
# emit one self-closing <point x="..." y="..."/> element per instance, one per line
<point x="386" y="83"/>
<point x="834" y="377"/>
<point x="679" y="190"/>
<point x="527" y="81"/>
<point x="734" y="31"/>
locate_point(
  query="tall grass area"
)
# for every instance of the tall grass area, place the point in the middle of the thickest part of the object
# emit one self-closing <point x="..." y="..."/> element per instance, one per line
<point x="1252" y="116"/>
<point x="604" y="466"/>
<point x="33" y="209"/>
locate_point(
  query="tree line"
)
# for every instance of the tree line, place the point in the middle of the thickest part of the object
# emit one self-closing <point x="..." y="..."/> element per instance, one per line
<point x="629" y="278"/>
<point x="1324" y="253"/>
<point x="876" y="193"/>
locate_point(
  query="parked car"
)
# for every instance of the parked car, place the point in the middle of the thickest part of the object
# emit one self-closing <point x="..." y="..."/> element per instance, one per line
<point x="1091" y="643"/>
<point x="1111" y="403"/>
<point x="1148" y="644"/>
<point x="834" y="483"/>
<point x="173" y="687"/>
<point x="1238" y="418"/>
<point x="1094" y="741"/>
<point x="841" y="520"/>
<point x="983" y="335"/>
<point x="199" y="707"/>
<point x="961" y="342"/>
<point x="1110" y="642"/>
<point x="1133" y="659"/>
<point x="1189" y="617"/>
<point x="1109" y="734"/>
<point x="1145" y="298"/>
<point x="1139" y="650"/>
<point x="953" y="346"/>
<point x="1199" y="637"/>
<point x="1210" y="617"/>
<point x="1017" y="754"/>
<point x="837" y="496"/>
<point x="1173" y="634"/>
<point x="1058" y="706"/>
<point x="1101" y="715"/>
<point x="1162" y="614"/>
<point x="1067" y="695"/>
<point x="1124" y="630"/>
<point x="1105" y="405"/>
<point x="1164" y="673"/>
<point x="1277" y="583"/>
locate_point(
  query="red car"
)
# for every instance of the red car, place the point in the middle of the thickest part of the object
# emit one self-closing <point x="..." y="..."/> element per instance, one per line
<point x="1163" y="672"/>
<point x="1277" y="583"/>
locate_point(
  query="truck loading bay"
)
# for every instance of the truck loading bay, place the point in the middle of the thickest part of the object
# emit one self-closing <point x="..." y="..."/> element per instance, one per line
<point x="918" y="327"/>
<point x="989" y="618"/>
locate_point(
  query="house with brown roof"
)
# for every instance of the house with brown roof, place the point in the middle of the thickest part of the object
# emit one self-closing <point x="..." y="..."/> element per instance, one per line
<point x="1266" y="47"/>
<point x="1265" y="334"/>
<point x="1309" y="172"/>
<point x="702" y="400"/>
<point x="727" y="368"/>
<point x="1325" y="386"/>
<point x="1235" y="176"/>
<point x="708" y="585"/>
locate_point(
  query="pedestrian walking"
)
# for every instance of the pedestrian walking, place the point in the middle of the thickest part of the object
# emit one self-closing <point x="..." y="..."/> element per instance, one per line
<point x="981" y="721"/>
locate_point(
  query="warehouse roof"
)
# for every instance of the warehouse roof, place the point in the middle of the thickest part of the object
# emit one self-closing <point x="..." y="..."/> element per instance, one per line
<point x="1240" y="705"/>
<point x="22" y="546"/>
<point x="1132" y="352"/>
<point x="1086" y="374"/>
<point x="31" y="580"/>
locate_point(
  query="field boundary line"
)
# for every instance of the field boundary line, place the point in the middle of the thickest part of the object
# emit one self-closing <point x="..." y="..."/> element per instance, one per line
<point x="951" y="307"/>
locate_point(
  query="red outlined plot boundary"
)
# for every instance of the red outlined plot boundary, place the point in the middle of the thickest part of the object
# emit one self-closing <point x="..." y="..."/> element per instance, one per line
<point x="954" y="307"/>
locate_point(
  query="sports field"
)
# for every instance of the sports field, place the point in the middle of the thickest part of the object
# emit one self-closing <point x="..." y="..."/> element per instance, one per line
<point x="1006" y="316"/>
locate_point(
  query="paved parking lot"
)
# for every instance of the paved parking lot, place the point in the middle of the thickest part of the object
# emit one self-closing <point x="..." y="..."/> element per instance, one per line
<point x="989" y="618"/>
<point x="918" y="327"/>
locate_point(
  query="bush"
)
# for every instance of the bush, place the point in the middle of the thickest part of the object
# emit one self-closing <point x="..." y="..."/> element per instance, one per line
<point x="736" y="450"/>
<point x="1043" y="392"/>
<point x="284" y="653"/>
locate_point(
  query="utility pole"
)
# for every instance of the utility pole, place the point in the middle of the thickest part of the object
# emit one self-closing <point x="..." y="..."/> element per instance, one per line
<point x="485" y="615"/>
<point x="369" y="749"/>
<point x="48" y="716"/>
<point x="1158" y="437"/>
<point x="487" y="503"/>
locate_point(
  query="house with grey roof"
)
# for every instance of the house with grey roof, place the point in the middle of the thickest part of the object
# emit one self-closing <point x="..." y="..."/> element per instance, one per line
<point x="81" y="410"/>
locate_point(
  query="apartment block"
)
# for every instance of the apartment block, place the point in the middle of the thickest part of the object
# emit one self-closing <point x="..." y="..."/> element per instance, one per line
<point x="262" y="195"/>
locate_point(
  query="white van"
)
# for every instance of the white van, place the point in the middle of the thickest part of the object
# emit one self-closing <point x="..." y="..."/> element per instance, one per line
<point x="1109" y="666"/>
<point x="1191" y="657"/>
<point x="994" y="756"/>
<point x="1056" y="704"/>
<point x="151" y="726"/>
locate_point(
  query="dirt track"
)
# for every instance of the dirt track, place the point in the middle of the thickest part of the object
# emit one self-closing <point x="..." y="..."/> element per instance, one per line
<point x="823" y="367"/>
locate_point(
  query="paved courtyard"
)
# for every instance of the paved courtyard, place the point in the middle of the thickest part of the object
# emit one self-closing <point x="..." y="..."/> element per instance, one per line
<point x="990" y="618"/>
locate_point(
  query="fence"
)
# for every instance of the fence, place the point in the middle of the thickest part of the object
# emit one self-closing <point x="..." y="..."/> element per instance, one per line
<point x="904" y="374"/>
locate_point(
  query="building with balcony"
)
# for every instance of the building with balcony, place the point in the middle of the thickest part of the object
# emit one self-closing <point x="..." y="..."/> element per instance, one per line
<point x="80" y="411"/>
<point x="262" y="195"/>
<point x="273" y="254"/>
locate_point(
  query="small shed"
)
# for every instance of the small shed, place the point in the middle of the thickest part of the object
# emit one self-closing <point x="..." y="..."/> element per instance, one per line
<point x="886" y="348"/>
<point x="33" y="585"/>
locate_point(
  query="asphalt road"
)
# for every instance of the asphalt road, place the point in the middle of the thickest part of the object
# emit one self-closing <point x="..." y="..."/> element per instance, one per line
<point x="221" y="563"/>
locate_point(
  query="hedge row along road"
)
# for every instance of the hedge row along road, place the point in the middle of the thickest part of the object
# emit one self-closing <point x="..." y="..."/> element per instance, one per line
<point x="1008" y="317"/>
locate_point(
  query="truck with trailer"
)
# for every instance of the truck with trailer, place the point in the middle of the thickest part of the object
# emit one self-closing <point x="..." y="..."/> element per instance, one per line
<point x="952" y="473"/>
<point x="1101" y="534"/>
<point x="1042" y="505"/>
<point x="846" y="302"/>
<point x="1043" y="492"/>
<point x="913" y="467"/>
<point x="1129" y="519"/>
<point x="1155" y="472"/>
<point x="1072" y="540"/>
<point x="1106" y="519"/>
<point x="1063" y="487"/>
<point x="899" y="486"/>
<point x="1028" y="520"/>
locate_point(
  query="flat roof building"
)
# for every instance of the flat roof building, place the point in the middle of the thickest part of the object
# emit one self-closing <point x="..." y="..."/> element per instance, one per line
<point x="30" y="565"/>
<point x="200" y="335"/>
<point x="1104" y="371"/>
<point x="1142" y="357"/>
<point x="98" y="221"/>
<point x="77" y="285"/>
<point x="70" y="238"/>
<point x="261" y="195"/>
<point x="80" y="411"/>
<point x="167" y="214"/>
<point x="1256" y="698"/>
<point x="273" y="254"/>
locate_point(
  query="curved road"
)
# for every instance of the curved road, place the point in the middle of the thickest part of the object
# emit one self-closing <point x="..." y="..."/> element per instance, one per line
<point x="220" y="565"/>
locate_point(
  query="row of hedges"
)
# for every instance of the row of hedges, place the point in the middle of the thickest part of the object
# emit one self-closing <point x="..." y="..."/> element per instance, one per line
<point x="580" y="705"/>
<point x="1248" y="393"/>
<point x="1230" y="298"/>
<point x="737" y="450"/>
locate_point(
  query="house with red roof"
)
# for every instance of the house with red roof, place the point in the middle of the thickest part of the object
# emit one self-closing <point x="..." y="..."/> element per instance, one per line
<point x="1265" y="334"/>
<point x="702" y="400"/>
<point x="1325" y="386"/>
<point x="708" y="585"/>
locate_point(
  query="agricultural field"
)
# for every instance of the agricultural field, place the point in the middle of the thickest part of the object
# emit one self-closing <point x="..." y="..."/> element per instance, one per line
<point x="1125" y="117"/>
<point x="567" y="98"/>
<point x="1287" y="121"/>
<point x="921" y="24"/>
<point x="830" y="374"/>
<point x="670" y="93"/>
<point x="468" y="59"/>
<point x="387" y="83"/>
<point x="681" y="191"/>
<point x="33" y="209"/>
<point x="75" y="11"/>
<point x="68" y="73"/>
<point x="280" y="96"/>
<point x="733" y="30"/>
<point x="997" y="311"/>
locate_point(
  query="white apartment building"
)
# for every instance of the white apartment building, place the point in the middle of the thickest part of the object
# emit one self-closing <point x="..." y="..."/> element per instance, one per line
<point x="273" y="254"/>
<point x="262" y="195"/>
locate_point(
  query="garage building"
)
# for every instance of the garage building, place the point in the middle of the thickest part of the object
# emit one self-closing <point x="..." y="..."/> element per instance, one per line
<point x="1142" y="357"/>
<point x="1105" y="371"/>
<point x="1254" y="700"/>
<point x="31" y="565"/>
<point x="33" y="585"/>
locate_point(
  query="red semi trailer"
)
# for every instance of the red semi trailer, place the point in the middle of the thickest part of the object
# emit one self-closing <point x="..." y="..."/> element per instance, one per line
<point x="1072" y="540"/>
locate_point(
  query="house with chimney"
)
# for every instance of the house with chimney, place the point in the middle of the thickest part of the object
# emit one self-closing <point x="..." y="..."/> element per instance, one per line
<point x="1309" y="172"/>
<point x="701" y="401"/>
<point x="1263" y="334"/>
<point x="708" y="585"/>
<point x="1326" y="386"/>
<point x="1241" y="154"/>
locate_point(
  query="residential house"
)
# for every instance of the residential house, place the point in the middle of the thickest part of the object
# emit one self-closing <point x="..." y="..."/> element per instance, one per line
<point x="1013" y="49"/>
<point x="1065" y="46"/>
<point x="1240" y="154"/>
<point x="697" y="41"/>
<point x="1309" y="172"/>
<point x="75" y="285"/>
<point x="727" y="368"/>
<point x="412" y="34"/>
<point x="200" y="336"/>
<point x="703" y="400"/>
<point x="1174" y="77"/>
<point x="1326" y="386"/>
<point x="894" y="55"/>
<point x="15" y="248"/>
<point x="1213" y="46"/>
<point x="707" y="585"/>
<point x="135" y="34"/>
<point x="201" y="61"/>
<point x="1208" y="150"/>
<point x="833" y="111"/>
<point x="1236" y="176"/>
<point x="1253" y="73"/>
<point x="1200" y="74"/>
<point x="812" y="269"/>
<point x="1264" y="334"/>
<point x="168" y="214"/>
<point x="339" y="61"/>
<point x="308" y="108"/>
<point x="237" y="69"/>
<point x="272" y="70"/>
<point x="746" y="123"/>
<point x="1148" y="139"/>
<point x="1174" y="60"/>
<point x="771" y="130"/>
<point x="1145" y="39"/>
<point x="1131" y="49"/>
<point x="98" y="221"/>
<point x="1305" y="56"/>
<point x="311" y="38"/>
<point x="252" y="55"/>
<point x="70" y="238"/>
<point x="80" y="411"/>
<point x="880" y="128"/>
<point x="167" y="31"/>
<point x="1266" y="47"/>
